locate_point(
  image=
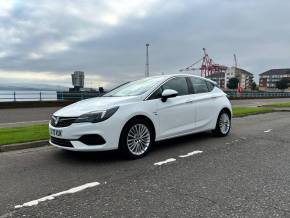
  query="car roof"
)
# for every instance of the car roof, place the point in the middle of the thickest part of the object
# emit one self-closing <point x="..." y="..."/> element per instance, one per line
<point x="167" y="76"/>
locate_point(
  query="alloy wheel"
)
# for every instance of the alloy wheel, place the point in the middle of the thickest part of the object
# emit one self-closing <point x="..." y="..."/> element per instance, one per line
<point x="138" y="139"/>
<point x="224" y="123"/>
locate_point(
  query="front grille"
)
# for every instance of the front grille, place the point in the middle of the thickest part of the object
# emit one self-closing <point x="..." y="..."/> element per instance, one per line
<point x="61" y="142"/>
<point x="62" y="121"/>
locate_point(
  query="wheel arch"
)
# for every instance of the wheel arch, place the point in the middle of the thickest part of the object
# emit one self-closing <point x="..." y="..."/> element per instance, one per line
<point x="143" y="117"/>
<point x="227" y="110"/>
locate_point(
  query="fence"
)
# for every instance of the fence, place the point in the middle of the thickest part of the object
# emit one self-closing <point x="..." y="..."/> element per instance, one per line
<point x="13" y="96"/>
<point x="10" y="96"/>
<point x="257" y="94"/>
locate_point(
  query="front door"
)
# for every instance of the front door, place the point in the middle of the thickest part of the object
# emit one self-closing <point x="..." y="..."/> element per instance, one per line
<point x="176" y="115"/>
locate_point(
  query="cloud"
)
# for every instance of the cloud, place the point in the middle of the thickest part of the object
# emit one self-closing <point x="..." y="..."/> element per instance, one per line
<point x="6" y="7"/>
<point x="107" y="39"/>
<point x="93" y="81"/>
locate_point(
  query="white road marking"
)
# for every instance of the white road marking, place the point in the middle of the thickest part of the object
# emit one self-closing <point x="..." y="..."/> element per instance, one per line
<point x="164" y="162"/>
<point x="269" y="130"/>
<point x="190" y="154"/>
<point x="51" y="197"/>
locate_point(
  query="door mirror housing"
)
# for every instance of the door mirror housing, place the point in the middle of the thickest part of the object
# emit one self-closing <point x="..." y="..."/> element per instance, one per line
<point x="168" y="93"/>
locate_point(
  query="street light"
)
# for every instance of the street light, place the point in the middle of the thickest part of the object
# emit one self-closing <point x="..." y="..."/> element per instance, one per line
<point x="147" y="62"/>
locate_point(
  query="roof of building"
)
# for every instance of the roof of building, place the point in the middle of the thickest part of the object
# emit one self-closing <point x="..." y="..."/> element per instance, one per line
<point x="244" y="71"/>
<point x="276" y="72"/>
<point x="218" y="74"/>
<point x="222" y="74"/>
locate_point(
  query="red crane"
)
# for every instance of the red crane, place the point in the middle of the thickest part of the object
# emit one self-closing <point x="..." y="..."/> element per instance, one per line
<point x="207" y="68"/>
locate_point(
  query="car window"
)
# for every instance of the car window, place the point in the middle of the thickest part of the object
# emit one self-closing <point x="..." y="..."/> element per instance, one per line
<point x="178" y="84"/>
<point x="199" y="85"/>
<point x="135" y="88"/>
<point x="210" y="86"/>
<point x="156" y="94"/>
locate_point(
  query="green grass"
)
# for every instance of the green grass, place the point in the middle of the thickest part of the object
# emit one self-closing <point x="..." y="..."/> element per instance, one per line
<point x="245" y="111"/>
<point x="14" y="135"/>
<point x="279" y="104"/>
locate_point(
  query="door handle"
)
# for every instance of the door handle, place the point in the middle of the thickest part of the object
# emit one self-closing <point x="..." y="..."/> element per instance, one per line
<point x="189" y="101"/>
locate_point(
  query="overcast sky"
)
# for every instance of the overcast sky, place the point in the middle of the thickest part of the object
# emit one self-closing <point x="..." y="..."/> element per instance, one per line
<point x="44" y="41"/>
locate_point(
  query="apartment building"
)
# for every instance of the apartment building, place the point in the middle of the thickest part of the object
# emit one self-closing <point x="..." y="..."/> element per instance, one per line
<point x="268" y="79"/>
<point x="222" y="78"/>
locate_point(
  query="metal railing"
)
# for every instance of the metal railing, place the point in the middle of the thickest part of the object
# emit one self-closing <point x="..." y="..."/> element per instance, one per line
<point x="257" y="94"/>
<point x="16" y="96"/>
<point x="13" y="96"/>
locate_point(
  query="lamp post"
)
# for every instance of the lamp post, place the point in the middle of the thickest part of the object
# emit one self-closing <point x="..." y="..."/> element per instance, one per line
<point x="147" y="62"/>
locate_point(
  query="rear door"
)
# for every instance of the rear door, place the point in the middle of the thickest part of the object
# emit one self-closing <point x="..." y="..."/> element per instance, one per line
<point x="204" y="101"/>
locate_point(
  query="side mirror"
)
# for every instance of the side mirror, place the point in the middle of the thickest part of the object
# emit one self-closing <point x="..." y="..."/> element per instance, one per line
<point x="168" y="93"/>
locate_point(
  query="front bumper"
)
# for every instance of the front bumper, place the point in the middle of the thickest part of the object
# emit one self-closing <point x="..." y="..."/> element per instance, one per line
<point x="109" y="131"/>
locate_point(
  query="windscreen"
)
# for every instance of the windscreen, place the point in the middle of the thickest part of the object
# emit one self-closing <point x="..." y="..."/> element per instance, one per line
<point x="135" y="88"/>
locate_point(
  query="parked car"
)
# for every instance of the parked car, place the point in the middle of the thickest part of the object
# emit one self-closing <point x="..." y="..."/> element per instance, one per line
<point x="135" y="115"/>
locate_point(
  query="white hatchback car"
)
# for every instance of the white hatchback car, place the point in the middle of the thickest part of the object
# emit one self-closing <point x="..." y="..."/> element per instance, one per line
<point x="135" y="115"/>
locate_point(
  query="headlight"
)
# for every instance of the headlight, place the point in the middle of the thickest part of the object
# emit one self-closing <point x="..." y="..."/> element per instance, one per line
<point x="96" y="116"/>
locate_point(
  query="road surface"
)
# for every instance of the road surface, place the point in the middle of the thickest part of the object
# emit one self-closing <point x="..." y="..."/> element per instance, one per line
<point x="25" y="116"/>
<point x="246" y="174"/>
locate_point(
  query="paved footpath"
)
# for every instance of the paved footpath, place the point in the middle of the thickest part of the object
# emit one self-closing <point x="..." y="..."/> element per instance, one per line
<point x="246" y="174"/>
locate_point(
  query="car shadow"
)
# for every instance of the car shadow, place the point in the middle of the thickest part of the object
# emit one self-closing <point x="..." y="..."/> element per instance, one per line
<point x="181" y="141"/>
<point x="89" y="157"/>
<point x="115" y="156"/>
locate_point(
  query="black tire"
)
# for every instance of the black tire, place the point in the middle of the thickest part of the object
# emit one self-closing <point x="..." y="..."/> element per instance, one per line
<point x="218" y="129"/>
<point x="123" y="145"/>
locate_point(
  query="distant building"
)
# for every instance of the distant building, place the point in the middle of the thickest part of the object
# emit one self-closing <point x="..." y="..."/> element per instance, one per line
<point x="245" y="77"/>
<point x="78" y="80"/>
<point x="269" y="78"/>
<point x="219" y="78"/>
<point x="222" y="78"/>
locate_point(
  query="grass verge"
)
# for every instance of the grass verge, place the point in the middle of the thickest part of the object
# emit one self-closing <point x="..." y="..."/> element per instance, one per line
<point x="245" y="111"/>
<point x="279" y="104"/>
<point x="15" y="135"/>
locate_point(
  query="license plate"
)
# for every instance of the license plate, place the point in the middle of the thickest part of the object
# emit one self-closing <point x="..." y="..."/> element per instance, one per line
<point x="55" y="132"/>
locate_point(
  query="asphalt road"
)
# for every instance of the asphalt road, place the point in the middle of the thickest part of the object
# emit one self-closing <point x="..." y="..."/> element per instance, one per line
<point x="246" y="174"/>
<point x="30" y="116"/>
<point x="25" y="116"/>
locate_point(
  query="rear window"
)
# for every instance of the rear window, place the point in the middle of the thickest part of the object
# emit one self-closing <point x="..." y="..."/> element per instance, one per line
<point x="210" y="86"/>
<point x="199" y="85"/>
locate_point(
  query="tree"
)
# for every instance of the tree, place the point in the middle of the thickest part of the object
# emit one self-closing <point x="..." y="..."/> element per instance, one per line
<point x="254" y="86"/>
<point x="233" y="83"/>
<point x="282" y="84"/>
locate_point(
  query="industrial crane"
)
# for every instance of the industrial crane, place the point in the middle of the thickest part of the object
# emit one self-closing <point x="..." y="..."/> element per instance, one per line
<point x="207" y="68"/>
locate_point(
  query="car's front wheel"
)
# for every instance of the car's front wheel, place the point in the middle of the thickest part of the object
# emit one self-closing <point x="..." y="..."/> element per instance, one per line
<point x="136" y="138"/>
<point x="223" y="125"/>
